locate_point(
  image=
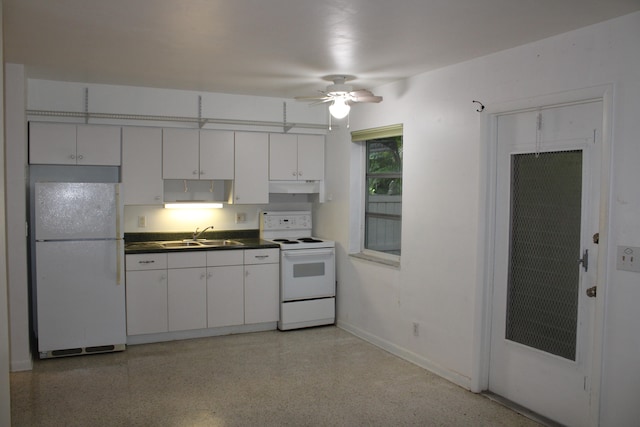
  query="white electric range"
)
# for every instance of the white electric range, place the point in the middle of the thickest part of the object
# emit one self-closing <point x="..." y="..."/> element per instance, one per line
<point x="307" y="269"/>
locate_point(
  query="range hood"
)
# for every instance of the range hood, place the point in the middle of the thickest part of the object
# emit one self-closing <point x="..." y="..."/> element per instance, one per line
<point x="294" y="187"/>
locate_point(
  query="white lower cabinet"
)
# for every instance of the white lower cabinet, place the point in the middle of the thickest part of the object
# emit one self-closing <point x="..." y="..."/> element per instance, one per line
<point x="261" y="285"/>
<point x="225" y="288"/>
<point x="180" y="291"/>
<point x="187" y="290"/>
<point x="146" y="283"/>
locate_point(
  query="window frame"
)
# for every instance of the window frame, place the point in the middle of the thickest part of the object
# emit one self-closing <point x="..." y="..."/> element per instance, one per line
<point x="362" y="137"/>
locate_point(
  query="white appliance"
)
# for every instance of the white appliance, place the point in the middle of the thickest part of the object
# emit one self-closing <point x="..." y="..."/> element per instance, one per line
<point x="79" y="250"/>
<point x="307" y="270"/>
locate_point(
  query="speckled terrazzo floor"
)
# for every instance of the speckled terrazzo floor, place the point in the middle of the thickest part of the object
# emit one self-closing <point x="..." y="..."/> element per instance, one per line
<point x="312" y="377"/>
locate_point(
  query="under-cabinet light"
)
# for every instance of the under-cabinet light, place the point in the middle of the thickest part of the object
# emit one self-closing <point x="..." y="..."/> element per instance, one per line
<point x="192" y="205"/>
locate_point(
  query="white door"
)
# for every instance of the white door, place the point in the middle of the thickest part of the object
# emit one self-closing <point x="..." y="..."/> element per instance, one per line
<point x="547" y="213"/>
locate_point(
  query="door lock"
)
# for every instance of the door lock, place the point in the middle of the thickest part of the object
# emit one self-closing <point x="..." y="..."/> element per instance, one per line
<point x="591" y="292"/>
<point x="585" y="260"/>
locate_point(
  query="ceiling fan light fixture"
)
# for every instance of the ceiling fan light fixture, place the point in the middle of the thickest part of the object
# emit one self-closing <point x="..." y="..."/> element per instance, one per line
<point x="339" y="108"/>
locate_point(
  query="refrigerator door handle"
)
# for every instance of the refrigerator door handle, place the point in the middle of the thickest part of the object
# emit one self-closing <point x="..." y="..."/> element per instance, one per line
<point x="119" y="262"/>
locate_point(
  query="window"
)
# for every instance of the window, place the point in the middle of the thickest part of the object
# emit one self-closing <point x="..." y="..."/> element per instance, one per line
<point x="383" y="189"/>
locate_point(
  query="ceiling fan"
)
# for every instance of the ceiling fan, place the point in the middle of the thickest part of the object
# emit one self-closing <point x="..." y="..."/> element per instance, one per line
<point x="341" y="95"/>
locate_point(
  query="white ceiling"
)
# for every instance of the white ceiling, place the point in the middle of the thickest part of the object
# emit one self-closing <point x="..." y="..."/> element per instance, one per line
<point x="279" y="48"/>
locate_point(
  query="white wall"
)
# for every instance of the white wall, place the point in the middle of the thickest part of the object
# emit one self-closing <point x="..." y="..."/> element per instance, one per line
<point x="438" y="281"/>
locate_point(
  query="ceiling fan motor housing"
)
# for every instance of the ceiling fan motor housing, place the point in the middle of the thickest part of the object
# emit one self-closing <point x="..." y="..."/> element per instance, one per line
<point x="339" y="89"/>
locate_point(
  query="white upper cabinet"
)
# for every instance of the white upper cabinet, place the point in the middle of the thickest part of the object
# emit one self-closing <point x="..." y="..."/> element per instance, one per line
<point x="70" y="144"/>
<point x="142" y="165"/>
<point x="216" y="154"/>
<point x="180" y="153"/>
<point x="296" y="157"/>
<point x="251" y="182"/>
<point x="197" y="154"/>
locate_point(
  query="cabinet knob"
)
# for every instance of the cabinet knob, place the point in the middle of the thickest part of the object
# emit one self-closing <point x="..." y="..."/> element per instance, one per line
<point x="157" y="198"/>
<point x="195" y="172"/>
<point x="80" y="157"/>
<point x="202" y="276"/>
<point x="299" y="173"/>
<point x="202" y="172"/>
<point x="72" y="157"/>
<point x="293" y="173"/>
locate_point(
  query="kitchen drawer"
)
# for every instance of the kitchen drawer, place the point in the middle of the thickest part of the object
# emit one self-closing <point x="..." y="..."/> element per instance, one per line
<point x="222" y="258"/>
<point x="261" y="256"/>
<point x="146" y="262"/>
<point x="187" y="259"/>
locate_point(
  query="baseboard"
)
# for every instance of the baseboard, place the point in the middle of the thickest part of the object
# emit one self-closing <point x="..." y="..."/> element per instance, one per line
<point x="409" y="356"/>
<point x="21" y="365"/>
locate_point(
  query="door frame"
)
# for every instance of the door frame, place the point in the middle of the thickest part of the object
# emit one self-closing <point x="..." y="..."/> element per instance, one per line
<point x="486" y="233"/>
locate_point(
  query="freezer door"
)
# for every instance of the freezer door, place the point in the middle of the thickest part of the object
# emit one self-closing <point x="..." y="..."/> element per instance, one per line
<point x="71" y="211"/>
<point x="80" y="301"/>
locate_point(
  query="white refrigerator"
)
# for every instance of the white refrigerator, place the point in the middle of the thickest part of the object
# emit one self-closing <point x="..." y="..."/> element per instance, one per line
<point x="79" y="250"/>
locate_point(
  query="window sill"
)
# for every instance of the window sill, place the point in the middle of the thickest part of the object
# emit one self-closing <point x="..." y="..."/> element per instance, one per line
<point x="376" y="259"/>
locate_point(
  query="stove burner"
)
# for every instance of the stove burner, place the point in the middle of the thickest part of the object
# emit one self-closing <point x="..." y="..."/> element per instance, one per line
<point x="280" y="240"/>
<point x="289" y="242"/>
<point x="309" y="240"/>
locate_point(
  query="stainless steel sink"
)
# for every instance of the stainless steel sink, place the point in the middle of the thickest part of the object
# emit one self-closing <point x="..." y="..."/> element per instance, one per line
<point x="181" y="244"/>
<point x="220" y="242"/>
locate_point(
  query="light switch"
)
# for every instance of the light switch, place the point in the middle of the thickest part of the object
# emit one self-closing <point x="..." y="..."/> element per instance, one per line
<point x="142" y="221"/>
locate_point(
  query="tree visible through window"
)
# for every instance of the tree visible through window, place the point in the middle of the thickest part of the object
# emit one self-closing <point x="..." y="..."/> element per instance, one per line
<point x="383" y="204"/>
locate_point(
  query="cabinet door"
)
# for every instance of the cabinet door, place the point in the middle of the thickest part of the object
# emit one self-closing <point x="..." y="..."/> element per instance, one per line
<point x="311" y="157"/>
<point x="187" y="298"/>
<point x="216" y="154"/>
<point x="52" y="143"/>
<point x="142" y="165"/>
<point x="283" y="157"/>
<point x="225" y="296"/>
<point x="98" y="145"/>
<point x="261" y="293"/>
<point x="147" y="302"/>
<point x="180" y="153"/>
<point x="251" y="182"/>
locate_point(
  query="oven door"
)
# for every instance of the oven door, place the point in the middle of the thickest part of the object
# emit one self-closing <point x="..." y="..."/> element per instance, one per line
<point x="307" y="273"/>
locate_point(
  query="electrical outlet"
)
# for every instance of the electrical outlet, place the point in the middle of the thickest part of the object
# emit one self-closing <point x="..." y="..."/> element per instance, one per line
<point x="416" y="329"/>
<point x="628" y="258"/>
<point x="241" y="217"/>
<point x="142" y="221"/>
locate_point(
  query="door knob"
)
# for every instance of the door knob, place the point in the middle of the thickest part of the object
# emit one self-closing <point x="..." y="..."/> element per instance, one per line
<point x="591" y="292"/>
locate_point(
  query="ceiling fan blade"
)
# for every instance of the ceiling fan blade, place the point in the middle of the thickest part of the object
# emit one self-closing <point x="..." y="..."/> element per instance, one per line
<point x="366" y="98"/>
<point x="311" y="98"/>
<point x="361" y="92"/>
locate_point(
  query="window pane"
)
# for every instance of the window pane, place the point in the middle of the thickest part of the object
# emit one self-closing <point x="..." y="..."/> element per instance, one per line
<point x="384" y="155"/>
<point x="383" y="204"/>
<point x="380" y="186"/>
<point x="383" y="234"/>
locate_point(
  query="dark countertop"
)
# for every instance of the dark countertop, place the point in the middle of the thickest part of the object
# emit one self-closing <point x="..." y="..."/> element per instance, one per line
<point x="139" y="243"/>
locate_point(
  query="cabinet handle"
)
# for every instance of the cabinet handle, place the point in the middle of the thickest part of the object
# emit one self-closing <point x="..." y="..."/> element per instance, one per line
<point x="157" y="198"/>
<point x="146" y="262"/>
<point x="261" y="256"/>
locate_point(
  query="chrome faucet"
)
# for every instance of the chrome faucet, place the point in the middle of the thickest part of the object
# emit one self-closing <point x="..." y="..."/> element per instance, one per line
<point x="196" y="234"/>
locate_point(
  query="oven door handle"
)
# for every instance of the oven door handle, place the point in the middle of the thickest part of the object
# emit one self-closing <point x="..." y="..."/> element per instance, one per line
<point x="302" y="253"/>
